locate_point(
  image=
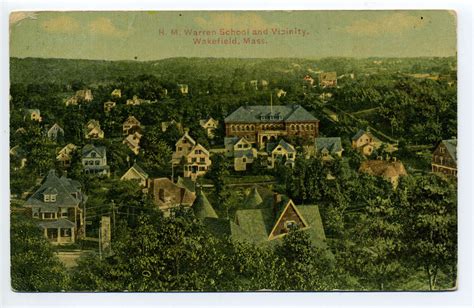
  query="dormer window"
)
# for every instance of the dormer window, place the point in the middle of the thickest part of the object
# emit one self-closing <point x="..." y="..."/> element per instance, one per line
<point x="52" y="198"/>
<point x="46" y="198"/>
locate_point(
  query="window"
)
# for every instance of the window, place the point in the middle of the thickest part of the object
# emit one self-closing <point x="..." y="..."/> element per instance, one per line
<point x="35" y="214"/>
<point x="185" y="141"/>
<point x="46" y="198"/>
<point x="202" y="168"/>
<point x="239" y="146"/>
<point x="48" y="215"/>
<point x="244" y="159"/>
<point x="52" y="198"/>
<point x="194" y="159"/>
<point x="291" y="155"/>
<point x="291" y="225"/>
<point x="198" y="151"/>
<point x="202" y="159"/>
<point x="93" y="154"/>
<point x="180" y="148"/>
<point x="97" y="162"/>
<point x="64" y="212"/>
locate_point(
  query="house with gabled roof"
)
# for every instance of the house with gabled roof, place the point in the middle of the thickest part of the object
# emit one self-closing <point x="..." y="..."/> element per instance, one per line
<point x="168" y="195"/>
<point x="197" y="162"/>
<point x="445" y="159"/>
<point x="55" y="132"/>
<point x="365" y="142"/>
<point x="166" y="125"/>
<point x="133" y="142"/>
<point x="58" y="208"/>
<point x="389" y="170"/>
<point x="116" y="93"/>
<point x="266" y="123"/>
<point x="182" y="147"/>
<point x="327" y="79"/>
<point x="241" y="150"/>
<point x="131" y="123"/>
<point x="65" y="155"/>
<point x="93" y="130"/>
<point x="328" y="147"/>
<point x="281" y="152"/>
<point x="269" y="221"/>
<point x="33" y="115"/>
<point x="183" y="88"/>
<point x="109" y="105"/>
<point x="94" y="160"/>
<point x="210" y="125"/>
<point x="308" y="79"/>
<point x="79" y="97"/>
<point x="135" y="173"/>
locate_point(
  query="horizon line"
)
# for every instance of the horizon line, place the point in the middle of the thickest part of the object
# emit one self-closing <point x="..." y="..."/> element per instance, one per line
<point x="237" y="58"/>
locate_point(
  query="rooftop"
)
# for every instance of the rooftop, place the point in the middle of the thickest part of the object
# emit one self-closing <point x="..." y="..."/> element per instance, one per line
<point x="267" y="113"/>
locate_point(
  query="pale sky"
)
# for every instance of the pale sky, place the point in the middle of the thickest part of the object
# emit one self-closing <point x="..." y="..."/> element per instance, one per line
<point x="130" y="35"/>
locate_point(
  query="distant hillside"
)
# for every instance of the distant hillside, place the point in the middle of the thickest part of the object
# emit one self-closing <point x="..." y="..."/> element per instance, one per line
<point x="64" y="71"/>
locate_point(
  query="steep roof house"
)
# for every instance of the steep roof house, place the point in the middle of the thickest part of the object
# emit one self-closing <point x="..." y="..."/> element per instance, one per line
<point x="109" y="105"/>
<point x="93" y="130"/>
<point x="167" y="195"/>
<point x="135" y="101"/>
<point x="197" y="162"/>
<point x="33" y="115"/>
<point x="94" y="160"/>
<point x="281" y="152"/>
<point x="327" y="79"/>
<point x="58" y="205"/>
<point x="445" y="158"/>
<point x="135" y="173"/>
<point x="241" y="150"/>
<point x="65" y="154"/>
<point x="130" y="123"/>
<point x="133" y="142"/>
<point x="55" y="131"/>
<point x="183" y="88"/>
<point x="210" y="125"/>
<point x="116" y="93"/>
<point x="365" y="142"/>
<point x="269" y="221"/>
<point x="183" y="146"/>
<point x="79" y="97"/>
<point x="309" y="79"/>
<point x="389" y="170"/>
<point x="328" y="147"/>
<point x="166" y="125"/>
<point x="84" y="95"/>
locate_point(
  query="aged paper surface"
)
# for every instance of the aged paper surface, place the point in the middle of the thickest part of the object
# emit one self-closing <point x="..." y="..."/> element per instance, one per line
<point x="158" y="151"/>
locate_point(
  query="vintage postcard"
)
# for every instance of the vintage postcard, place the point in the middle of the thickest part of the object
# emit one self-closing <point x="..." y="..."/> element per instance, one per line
<point x="161" y="151"/>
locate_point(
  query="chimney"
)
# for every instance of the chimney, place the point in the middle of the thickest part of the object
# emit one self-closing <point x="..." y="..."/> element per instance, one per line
<point x="276" y="198"/>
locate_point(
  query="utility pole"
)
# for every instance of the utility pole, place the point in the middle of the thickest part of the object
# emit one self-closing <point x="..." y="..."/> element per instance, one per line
<point x="113" y="213"/>
<point x="85" y="221"/>
<point x="100" y="240"/>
